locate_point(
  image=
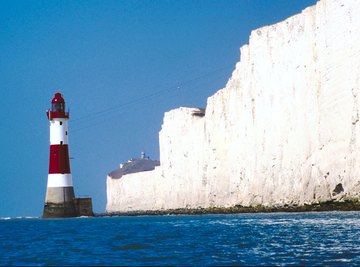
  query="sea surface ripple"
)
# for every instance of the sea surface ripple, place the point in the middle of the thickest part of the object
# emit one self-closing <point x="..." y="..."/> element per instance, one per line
<point x="309" y="239"/>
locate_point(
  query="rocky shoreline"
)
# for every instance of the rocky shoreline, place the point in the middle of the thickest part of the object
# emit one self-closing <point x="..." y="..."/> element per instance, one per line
<point x="330" y="205"/>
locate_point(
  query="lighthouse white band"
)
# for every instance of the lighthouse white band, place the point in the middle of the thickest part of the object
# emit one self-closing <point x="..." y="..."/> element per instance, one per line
<point x="59" y="180"/>
<point x="59" y="131"/>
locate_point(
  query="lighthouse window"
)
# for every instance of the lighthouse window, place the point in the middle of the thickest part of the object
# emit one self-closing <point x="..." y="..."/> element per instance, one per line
<point x="57" y="107"/>
<point x="60" y="122"/>
<point x="61" y="142"/>
<point x="65" y="132"/>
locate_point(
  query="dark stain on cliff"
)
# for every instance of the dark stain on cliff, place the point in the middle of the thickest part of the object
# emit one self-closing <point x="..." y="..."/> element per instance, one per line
<point x="338" y="189"/>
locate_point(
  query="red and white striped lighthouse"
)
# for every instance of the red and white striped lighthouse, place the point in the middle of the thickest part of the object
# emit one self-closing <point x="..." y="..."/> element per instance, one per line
<point x="60" y="196"/>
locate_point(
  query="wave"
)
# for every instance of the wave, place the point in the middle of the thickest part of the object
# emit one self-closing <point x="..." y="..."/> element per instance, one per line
<point x="19" y="217"/>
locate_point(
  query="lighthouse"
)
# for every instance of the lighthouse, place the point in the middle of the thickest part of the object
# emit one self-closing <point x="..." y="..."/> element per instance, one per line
<point x="60" y="201"/>
<point x="60" y="194"/>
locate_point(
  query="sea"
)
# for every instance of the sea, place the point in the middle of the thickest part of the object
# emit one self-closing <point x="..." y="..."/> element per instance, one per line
<point x="248" y="239"/>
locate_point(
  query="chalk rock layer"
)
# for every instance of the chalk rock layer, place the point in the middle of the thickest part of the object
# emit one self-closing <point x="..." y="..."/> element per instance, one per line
<point x="284" y="130"/>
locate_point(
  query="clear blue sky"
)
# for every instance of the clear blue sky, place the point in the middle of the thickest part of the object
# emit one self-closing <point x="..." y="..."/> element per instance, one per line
<point x="120" y="65"/>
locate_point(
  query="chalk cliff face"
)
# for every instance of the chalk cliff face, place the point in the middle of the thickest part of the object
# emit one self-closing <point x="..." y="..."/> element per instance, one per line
<point x="284" y="130"/>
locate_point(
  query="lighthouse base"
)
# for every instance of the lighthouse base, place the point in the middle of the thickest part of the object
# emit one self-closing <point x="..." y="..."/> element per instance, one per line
<point x="60" y="210"/>
<point x="61" y="203"/>
<point x="76" y="208"/>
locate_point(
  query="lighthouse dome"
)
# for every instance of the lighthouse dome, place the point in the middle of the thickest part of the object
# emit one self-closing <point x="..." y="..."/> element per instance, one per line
<point x="58" y="98"/>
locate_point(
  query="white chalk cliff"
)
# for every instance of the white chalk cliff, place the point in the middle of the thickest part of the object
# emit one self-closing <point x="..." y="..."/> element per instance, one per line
<point x="284" y="130"/>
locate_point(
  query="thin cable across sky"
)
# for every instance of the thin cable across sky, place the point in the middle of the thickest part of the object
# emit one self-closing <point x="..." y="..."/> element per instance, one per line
<point x="172" y="90"/>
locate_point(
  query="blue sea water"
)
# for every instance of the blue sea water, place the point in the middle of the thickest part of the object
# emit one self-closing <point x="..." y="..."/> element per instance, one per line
<point x="318" y="238"/>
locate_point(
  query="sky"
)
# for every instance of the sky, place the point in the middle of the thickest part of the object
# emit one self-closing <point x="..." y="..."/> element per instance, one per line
<point x="120" y="66"/>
